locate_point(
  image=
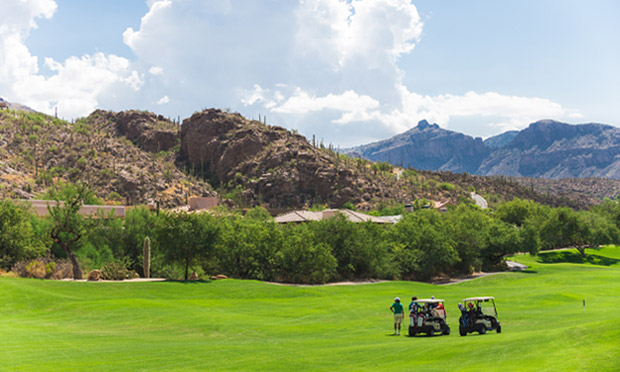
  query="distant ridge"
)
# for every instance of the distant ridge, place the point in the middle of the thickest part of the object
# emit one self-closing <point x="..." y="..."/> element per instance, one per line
<point x="427" y="146"/>
<point x="546" y="148"/>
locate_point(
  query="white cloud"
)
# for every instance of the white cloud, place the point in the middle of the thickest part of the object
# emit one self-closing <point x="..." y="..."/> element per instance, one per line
<point x="155" y="70"/>
<point x="343" y="32"/>
<point x="74" y="85"/>
<point x="163" y="100"/>
<point x="350" y="103"/>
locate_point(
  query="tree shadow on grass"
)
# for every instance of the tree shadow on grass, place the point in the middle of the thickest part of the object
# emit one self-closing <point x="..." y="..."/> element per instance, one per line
<point x="575" y="257"/>
<point x="198" y="281"/>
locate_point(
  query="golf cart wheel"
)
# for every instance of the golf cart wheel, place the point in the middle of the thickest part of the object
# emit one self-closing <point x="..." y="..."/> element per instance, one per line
<point x="446" y="331"/>
<point x="499" y="328"/>
<point x="462" y="331"/>
<point x="483" y="329"/>
<point x="430" y="332"/>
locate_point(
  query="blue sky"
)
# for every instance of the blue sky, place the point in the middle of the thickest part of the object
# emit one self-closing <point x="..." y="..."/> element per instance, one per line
<point x="350" y="72"/>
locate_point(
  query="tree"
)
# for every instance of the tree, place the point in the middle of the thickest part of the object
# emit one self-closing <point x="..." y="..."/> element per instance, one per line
<point x="469" y="227"/>
<point x="565" y="228"/>
<point x="502" y="239"/>
<point x="68" y="225"/>
<point x="422" y="246"/>
<point x="246" y="247"/>
<point x="184" y="237"/>
<point x="139" y="223"/>
<point x="300" y="260"/>
<point x="517" y="211"/>
<point x="17" y="240"/>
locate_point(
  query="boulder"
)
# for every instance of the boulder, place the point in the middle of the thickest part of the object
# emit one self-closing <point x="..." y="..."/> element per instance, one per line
<point x="94" y="276"/>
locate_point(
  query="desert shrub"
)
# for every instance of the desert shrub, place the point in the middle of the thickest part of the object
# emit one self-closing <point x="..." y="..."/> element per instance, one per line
<point x="35" y="269"/>
<point x="446" y="186"/>
<point x="43" y="268"/>
<point x="115" y="271"/>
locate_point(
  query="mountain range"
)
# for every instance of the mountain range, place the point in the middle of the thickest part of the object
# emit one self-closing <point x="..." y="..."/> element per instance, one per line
<point x="545" y="149"/>
<point x="136" y="157"/>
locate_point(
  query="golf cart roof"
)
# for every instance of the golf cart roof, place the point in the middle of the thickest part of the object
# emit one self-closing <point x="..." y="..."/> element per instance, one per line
<point x="429" y="301"/>
<point x="478" y="299"/>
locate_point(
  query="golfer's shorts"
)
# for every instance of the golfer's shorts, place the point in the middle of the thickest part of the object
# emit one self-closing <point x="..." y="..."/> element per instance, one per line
<point x="398" y="318"/>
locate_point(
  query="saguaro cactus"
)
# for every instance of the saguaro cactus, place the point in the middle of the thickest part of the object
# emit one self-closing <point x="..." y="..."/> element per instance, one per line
<point x="146" y="253"/>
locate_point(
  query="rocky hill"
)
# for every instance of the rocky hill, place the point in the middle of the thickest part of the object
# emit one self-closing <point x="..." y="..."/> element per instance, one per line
<point x="273" y="166"/>
<point x="546" y="149"/>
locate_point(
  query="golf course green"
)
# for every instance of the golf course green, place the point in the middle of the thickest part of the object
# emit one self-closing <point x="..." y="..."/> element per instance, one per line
<point x="240" y="325"/>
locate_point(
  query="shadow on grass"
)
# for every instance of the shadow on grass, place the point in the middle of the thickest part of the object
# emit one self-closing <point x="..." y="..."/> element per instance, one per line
<point x="199" y="281"/>
<point x="575" y="257"/>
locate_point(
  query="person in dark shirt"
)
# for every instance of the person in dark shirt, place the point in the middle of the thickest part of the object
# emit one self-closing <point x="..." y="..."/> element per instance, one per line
<point x="413" y="310"/>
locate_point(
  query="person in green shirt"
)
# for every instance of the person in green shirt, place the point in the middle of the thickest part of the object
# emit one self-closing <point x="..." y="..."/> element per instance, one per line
<point x="397" y="309"/>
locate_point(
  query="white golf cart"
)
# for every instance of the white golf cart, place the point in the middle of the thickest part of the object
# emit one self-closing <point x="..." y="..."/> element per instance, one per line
<point x="429" y="317"/>
<point x="478" y="314"/>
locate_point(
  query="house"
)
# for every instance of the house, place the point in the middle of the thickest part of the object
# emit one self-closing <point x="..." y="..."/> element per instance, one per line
<point x="198" y="205"/>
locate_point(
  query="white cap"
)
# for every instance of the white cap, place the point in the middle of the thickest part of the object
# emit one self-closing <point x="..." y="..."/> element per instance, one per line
<point x="397" y="299"/>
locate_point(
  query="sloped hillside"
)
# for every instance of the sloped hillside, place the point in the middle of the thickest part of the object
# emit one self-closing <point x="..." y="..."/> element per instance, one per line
<point x="121" y="156"/>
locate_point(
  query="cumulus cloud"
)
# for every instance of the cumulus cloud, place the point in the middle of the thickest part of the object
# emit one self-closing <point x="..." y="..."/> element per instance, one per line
<point x="325" y="67"/>
<point x="74" y="85"/>
<point x="348" y="54"/>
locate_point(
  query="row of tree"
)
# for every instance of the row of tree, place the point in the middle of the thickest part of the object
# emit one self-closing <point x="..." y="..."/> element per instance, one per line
<point x="422" y="245"/>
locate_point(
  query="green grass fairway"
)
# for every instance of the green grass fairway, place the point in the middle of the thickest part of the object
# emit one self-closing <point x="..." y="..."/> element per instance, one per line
<point x="247" y="325"/>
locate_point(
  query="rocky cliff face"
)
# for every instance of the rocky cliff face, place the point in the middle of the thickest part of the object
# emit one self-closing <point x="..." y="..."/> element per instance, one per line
<point x="428" y="147"/>
<point x="271" y="164"/>
<point x="151" y="132"/>
<point x="546" y="148"/>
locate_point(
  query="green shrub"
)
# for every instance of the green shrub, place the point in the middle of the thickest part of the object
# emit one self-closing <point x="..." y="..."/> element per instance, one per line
<point x="446" y="186"/>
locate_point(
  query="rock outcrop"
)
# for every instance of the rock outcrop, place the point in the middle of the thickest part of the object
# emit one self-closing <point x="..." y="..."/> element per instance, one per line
<point x="271" y="164"/>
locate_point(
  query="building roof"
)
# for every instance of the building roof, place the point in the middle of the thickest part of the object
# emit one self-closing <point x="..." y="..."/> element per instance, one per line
<point x="353" y="216"/>
<point x="40" y="208"/>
